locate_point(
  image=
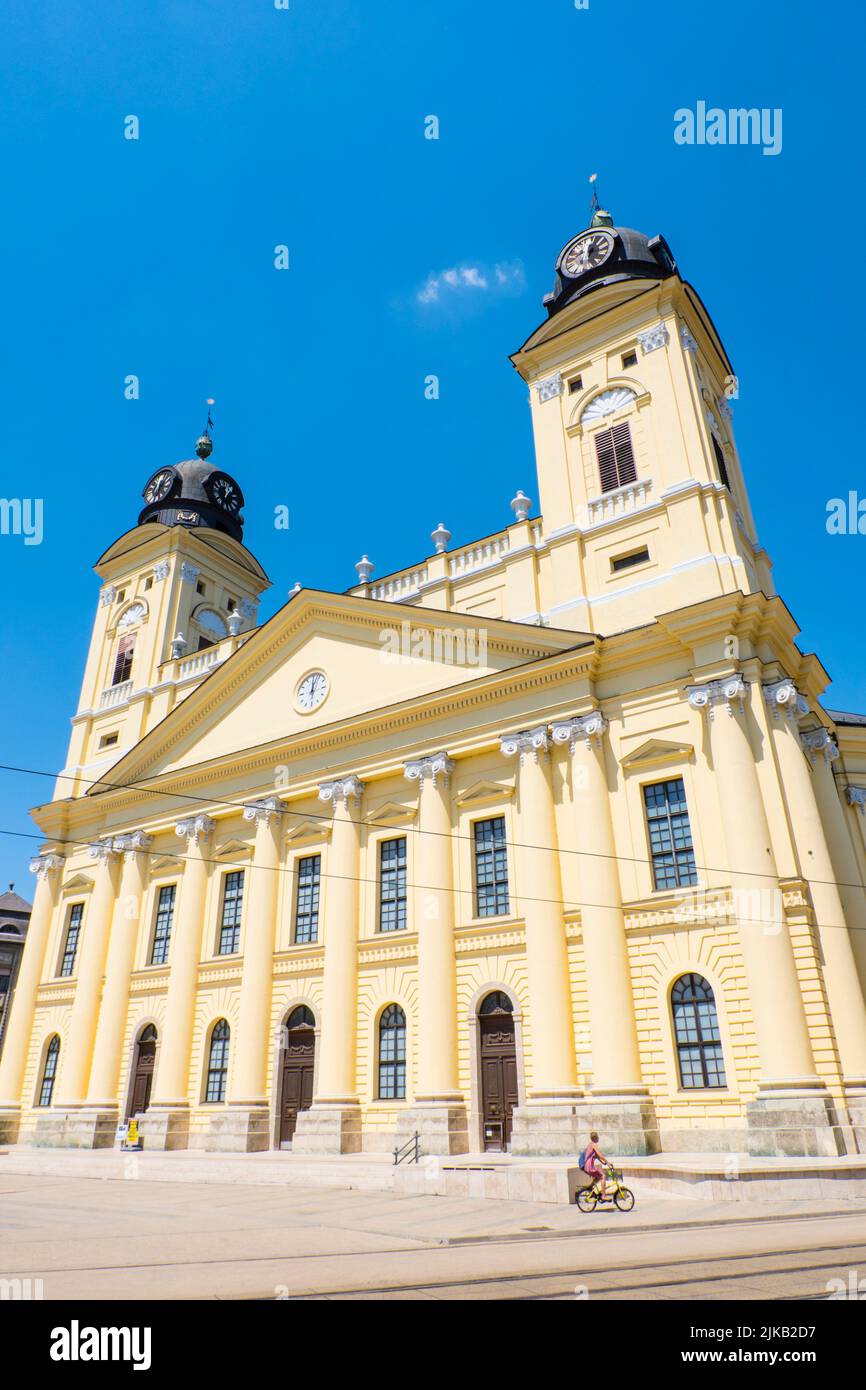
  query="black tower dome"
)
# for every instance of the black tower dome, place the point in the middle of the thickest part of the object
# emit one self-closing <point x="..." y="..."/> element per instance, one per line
<point x="604" y="254"/>
<point x="194" y="493"/>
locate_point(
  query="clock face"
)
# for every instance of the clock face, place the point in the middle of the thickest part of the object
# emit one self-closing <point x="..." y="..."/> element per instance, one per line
<point x="225" y="493"/>
<point x="586" y="253"/>
<point x="311" y="691"/>
<point x="159" y="486"/>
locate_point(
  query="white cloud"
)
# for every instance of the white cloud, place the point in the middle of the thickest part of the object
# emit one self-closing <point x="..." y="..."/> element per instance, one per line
<point x="465" y="281"/>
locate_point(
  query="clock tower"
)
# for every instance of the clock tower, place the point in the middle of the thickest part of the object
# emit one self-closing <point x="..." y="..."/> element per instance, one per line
<point x="180" y="593"/>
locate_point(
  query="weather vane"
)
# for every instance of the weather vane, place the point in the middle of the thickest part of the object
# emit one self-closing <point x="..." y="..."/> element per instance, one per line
<point x="204" y="447"/>
<point x="595" y="205"/>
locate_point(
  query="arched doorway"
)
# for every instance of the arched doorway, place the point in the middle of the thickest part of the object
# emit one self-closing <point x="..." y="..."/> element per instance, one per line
<point x="498" y="1051"/>
<point x="142" y="1076"/>
<point x="299" y="1056"/>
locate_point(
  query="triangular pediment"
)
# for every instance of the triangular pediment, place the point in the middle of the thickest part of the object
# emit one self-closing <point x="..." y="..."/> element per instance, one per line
<point x="232" y="849"/>
<point x="484" y="792"/>
<point x="162" y="863"/>
<point x="78" y="883"/>
<point x="393" y="813"/>
<point x="307" y="830"/>
<point x="656" y="752"/>
<point x="372" y="655"/>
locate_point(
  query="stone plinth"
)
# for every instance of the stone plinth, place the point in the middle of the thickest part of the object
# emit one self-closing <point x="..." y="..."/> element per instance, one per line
<point x="328" y="1129"/>
<point x="793" y="1124"/>
<point x="443" y="1129"/>
<point x="74" y="1129"/>
<point x="164" y="1128"/>
<point x="245" y="1129"/>
<point x="625" y="1126"/>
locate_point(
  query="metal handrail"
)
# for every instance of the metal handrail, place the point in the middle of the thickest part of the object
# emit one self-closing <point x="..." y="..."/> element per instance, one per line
<point x="410" y="1151"/>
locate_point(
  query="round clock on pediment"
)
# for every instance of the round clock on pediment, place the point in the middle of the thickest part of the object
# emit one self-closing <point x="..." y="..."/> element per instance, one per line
<point x="586" y="252"/>
<point x="311" y="691"/>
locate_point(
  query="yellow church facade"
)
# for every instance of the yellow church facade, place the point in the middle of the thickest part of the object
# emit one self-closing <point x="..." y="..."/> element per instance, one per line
<point x="541" y="834"/>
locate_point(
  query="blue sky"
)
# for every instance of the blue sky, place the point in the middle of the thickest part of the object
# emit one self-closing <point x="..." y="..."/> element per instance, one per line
<point x="305" y="127"/>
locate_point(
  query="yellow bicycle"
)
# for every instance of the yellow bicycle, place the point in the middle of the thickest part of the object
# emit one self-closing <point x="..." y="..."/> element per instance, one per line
<point x="589" y="1197"/>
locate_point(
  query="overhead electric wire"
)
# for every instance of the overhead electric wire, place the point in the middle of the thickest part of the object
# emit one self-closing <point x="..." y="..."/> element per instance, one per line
<point x="226" y="863"/>
<point x="203" y="800"/>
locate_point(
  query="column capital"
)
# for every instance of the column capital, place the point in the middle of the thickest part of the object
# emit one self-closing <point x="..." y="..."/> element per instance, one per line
<point x="532" y="741"/>
<point x="195" y="828"/>
<point x="816" y="741"/>
<point x="344" y="790"/>
<point x="430" y="767"/>
<point x="137" y="841"/>
<point x="262" y="810"/>
<point x="44" y="864"/>
<point x="590" y="727"/>
<point x="720" y="692"/>
<point x="104" y="851"/>
<point x="783" y="695"/>
<point x="856" y="796"/>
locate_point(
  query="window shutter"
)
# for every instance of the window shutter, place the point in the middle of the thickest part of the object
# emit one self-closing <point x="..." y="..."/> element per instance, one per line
<point x="624" y="455"/>
<point x="615" y="456"/>
<point x="720" y="463"/>
<point x="606" y="461"/>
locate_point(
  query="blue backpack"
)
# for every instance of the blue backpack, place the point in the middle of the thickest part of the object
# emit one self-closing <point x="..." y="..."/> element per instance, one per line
<point x="581" y="1158"/>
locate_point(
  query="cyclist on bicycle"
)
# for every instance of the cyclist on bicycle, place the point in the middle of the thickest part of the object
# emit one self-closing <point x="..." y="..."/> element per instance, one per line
<point x="592" y="1163"/>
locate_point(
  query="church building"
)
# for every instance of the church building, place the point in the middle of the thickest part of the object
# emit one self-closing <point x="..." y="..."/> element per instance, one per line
<point x="545" y="833"/>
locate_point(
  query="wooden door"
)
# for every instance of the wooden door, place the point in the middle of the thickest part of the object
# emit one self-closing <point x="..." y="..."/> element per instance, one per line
<point x="142" y="1080"/>
<point x="296" y="1092"/>
<point x="498" y="1079"/>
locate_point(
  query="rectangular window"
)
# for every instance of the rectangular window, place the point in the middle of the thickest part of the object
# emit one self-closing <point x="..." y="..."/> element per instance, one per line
<point x="123" y="660"/>
<point x="629" y="359"/>
<point x="720" y="463"/>
<point x="309" y="873"/>
<point x="162" y="930"/>
<point x="615" y="456"/>
<point x="73" y="932"/>
<point x="491" y="868"/>
<point x="576" y="384"/>
<point x="392" y="885"/>
<point x="670" y="836"/>
<point x="625" y="562"/>
<point x="230" y="924"/>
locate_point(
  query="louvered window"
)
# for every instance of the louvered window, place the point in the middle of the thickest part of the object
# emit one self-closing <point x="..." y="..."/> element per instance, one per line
<point x="720" y="463"/>
<point x="615" y="457"/>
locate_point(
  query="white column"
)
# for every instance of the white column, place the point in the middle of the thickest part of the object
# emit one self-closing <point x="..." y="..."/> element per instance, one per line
<point x="171" y="1082"/>
<point x="74" y="1072"/>
<point x="537" y="852"/>
<point x="336" y="1075"/>
<point x="104" y="1073"/>
<point x="19" y="1028"/>
<point x="249" y="1072"/>
<point x="434" y="922"/>
<point x="333" y="1122"/>
<point x="615" y="1058"/>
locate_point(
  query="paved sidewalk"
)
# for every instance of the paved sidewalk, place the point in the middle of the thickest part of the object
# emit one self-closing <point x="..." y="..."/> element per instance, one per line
<point x="129" y="1237"/>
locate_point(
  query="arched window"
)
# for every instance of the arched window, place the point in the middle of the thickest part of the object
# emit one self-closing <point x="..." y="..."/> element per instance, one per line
<point x="497" y="1003"/>
<point x="301" y="1017"/>
<point x="49" y="1072"/>
<point x="696" y="1029"/>
<point x="392" y="1054"/>
<point x="149" y="1034"/>
<point x="218" y="1063"/>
